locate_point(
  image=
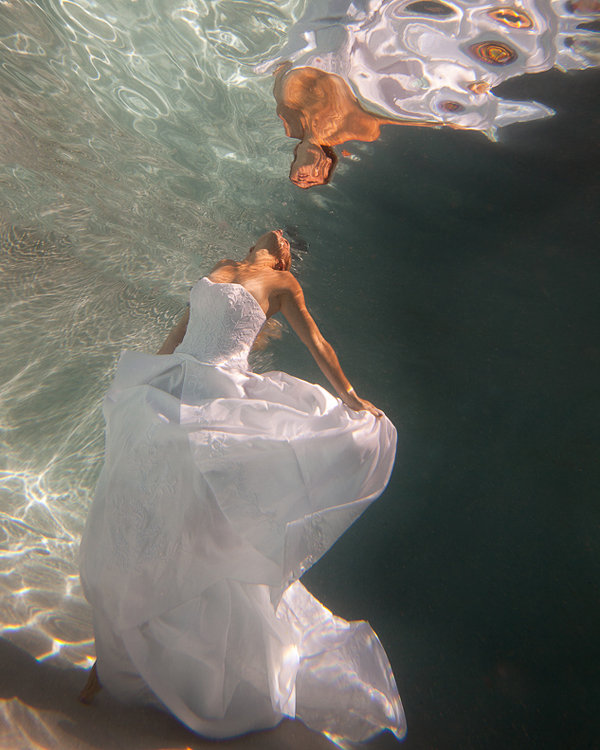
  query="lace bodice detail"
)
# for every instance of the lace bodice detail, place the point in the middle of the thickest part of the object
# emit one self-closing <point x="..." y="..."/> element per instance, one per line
<point x="224" y="321"/>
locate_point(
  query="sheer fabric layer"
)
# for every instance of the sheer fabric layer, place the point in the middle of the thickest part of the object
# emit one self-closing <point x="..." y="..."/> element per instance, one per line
<point x="220" y="488"/>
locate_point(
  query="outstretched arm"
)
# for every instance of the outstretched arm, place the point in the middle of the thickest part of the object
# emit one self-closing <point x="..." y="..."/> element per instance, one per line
<point x="176" y="335"/>
<point x="296" y="313"/>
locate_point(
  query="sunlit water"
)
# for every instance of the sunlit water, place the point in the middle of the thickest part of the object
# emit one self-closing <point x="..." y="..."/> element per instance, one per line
<point x="138" y="145"/>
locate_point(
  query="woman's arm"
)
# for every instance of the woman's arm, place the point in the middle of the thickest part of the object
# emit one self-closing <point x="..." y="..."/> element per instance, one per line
<point x="296" y="313"/>
<point x="176" y="335"/>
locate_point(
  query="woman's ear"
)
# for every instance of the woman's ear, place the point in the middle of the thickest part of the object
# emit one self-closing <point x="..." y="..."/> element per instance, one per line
<point x="279" y="266"/>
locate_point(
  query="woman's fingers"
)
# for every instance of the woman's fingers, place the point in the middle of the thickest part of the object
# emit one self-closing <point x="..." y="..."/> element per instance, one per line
<point x="373" y="409"/>
<point x="361" y="404"/>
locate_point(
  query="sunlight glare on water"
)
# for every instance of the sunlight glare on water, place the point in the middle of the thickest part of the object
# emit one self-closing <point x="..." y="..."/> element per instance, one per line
<point x="138" y="146"/>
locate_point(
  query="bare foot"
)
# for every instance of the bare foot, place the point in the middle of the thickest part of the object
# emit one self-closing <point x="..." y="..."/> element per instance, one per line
<point x="92" y="686"/>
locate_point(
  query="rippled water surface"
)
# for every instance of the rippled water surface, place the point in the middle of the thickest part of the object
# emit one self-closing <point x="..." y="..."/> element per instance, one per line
<point x="139" y="143"/>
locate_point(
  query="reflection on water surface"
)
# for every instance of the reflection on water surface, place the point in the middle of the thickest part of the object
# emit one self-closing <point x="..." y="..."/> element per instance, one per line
<point x="357" y="66"/>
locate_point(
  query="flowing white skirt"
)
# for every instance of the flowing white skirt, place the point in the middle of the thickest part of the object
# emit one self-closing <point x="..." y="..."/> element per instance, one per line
<point x="220" y="488"/>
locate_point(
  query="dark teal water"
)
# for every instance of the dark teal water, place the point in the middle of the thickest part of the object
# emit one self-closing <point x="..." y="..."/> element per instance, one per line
<point x="465" y="303"/>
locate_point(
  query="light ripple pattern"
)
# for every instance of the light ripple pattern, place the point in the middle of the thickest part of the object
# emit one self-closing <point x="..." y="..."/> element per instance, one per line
<point x="130" y="135"/>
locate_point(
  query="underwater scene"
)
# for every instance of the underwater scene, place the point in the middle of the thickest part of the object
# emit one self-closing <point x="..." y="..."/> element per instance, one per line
<point x="434" y="165"/>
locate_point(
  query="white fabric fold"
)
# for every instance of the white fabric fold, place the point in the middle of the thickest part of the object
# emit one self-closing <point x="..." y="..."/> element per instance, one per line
<point x="220" y="488"/>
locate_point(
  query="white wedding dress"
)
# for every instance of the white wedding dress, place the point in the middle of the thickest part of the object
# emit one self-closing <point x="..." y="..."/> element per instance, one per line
<point x="220" y="488"/>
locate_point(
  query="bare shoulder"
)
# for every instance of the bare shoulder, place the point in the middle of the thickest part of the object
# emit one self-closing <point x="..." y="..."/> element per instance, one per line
<point x="285" y="283"/>
<point x="223" y="266"/>
<point x="289" y="295"/>
<point x="282" y="290"/>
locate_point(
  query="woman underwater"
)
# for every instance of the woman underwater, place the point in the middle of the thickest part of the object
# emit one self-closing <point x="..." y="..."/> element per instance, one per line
<point x="220" y="487"/>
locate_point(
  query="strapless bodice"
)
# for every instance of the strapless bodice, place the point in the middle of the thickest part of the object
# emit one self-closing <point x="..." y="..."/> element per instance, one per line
<point x="224" y="321"/>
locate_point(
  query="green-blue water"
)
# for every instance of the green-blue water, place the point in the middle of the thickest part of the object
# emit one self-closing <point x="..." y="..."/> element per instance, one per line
<point x="457" y="279"/>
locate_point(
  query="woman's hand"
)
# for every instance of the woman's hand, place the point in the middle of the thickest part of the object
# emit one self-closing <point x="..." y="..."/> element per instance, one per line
<point x="360" y="404"/>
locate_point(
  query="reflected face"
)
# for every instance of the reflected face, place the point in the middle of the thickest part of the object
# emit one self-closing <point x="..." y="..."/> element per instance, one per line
<point x="311" y="165"/>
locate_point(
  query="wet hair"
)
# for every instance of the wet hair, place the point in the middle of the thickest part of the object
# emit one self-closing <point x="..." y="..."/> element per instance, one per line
<point x="283" y="255"/>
